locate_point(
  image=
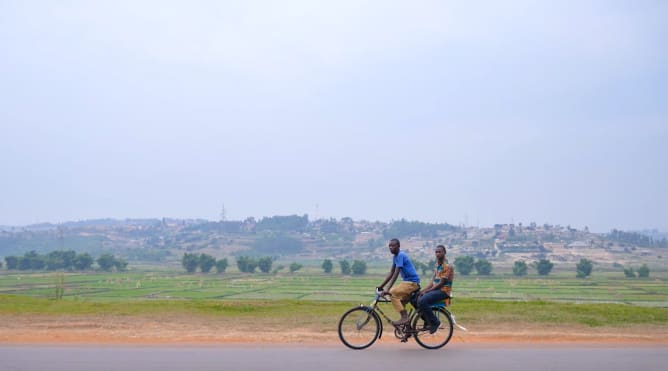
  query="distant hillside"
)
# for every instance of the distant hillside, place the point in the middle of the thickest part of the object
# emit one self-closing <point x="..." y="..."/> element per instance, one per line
<point x="161" y="240"/>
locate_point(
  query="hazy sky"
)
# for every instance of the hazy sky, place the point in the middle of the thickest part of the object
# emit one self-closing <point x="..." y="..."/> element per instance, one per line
<point x="475" y="112"/>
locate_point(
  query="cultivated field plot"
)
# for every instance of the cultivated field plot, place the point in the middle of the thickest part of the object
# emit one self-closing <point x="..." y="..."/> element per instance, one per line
<point x="310" y="286"/>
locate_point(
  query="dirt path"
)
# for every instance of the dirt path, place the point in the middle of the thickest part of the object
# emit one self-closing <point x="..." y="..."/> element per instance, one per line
<point x="188" y="330"/>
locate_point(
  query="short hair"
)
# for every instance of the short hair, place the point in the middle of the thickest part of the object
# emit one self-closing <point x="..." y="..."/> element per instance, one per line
<point x="395" y="241"/>
<point x="441" y="247"/>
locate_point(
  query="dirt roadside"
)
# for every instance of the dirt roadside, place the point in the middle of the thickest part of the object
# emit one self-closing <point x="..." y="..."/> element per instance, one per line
<point x="35" y="329"/>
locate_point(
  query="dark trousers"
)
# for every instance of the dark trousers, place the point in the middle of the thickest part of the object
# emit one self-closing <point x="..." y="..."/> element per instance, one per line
<point x="426" y="301"/>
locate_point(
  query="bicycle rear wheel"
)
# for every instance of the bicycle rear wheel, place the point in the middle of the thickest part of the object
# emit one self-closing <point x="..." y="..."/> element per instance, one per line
<point x="440" y="337"/>
<point x="359" y="327"/>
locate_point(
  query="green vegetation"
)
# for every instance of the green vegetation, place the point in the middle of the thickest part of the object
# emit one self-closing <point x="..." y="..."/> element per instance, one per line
<point x="327" y="266"/>
<point x="345" y="267"/>
<point x="464" y="265"/>
<point x="325" y="315"/>
<point x="359" y="267"/>
<point x="310" y="284"/>
<point x="221" y="265"/>
<point x="520" y="268"/>
<point x="294" y="266"/>
<point x="544" y="267"/>
<point x="63" y="260"/>
<point x="584" y="268"/>
<point x="483" y="267"/>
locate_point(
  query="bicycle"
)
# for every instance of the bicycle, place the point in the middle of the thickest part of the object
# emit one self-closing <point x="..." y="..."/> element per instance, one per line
<point x="361" y="326"/>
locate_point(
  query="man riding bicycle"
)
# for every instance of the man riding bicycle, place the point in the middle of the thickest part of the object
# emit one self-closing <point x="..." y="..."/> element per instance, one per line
<point x="401" y="264"/>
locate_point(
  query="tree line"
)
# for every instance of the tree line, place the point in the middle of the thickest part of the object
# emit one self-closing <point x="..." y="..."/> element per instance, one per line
<point x="247" y="264"/>
<point x="67" y="260"/>
<point x="464" y="265"/>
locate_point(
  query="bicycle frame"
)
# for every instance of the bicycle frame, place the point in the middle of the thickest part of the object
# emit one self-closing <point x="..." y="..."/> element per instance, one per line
<point x="373" y="307"/>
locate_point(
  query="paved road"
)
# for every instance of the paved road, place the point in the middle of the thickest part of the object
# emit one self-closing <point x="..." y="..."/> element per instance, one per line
<point x="386" y="358"/>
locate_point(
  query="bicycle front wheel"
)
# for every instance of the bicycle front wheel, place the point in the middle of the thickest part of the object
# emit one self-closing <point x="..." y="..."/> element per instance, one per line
<point x="440" y="337"/>
<point x="359" y="327"/>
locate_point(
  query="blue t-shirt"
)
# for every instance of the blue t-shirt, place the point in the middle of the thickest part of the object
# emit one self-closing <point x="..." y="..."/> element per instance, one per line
<point x="408" y="272"/>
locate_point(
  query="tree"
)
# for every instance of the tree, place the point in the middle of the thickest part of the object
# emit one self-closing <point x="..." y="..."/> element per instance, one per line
<point x="120" y="264"/>
<point x="520" y="268"/>
<point x="12" y="262"/>
<point x="327" y="266"/>
<point x="464" y="265"/>
<point x="190" y="262"/>
<point x="206" y="262"/>
<point x="295" y="267"/>
<point x="54" y="261"/>
<point x="246" y="264"/>
<point x="544" y="267"/>
<point x="643" y="271"/>
<point x="483" y="267"/>
<point x="584" y="268"/>
<point x="345" y="267"/>
<point x="629" y="272"/>
<point x="82" y="262"/>
<point x="106" y="262"/>
<point x="265" y="264"/>
<point x="32" y="260"/>
<point x="359" y="267"/>
<point x="0" y="264"/>
<point x="221" y="265"/>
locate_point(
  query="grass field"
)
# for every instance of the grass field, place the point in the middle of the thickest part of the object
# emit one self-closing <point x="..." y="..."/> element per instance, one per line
<point x="316" y="300"/>
<point x="313" y="286"/>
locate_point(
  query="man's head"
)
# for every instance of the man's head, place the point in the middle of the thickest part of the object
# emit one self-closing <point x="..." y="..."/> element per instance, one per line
<point x="440" y="252"/>
<point x="394" y="246"/>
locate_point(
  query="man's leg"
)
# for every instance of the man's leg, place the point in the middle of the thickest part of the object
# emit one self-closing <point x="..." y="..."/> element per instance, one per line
<point x="424" y="305"/>
<point x="399" y="293"/>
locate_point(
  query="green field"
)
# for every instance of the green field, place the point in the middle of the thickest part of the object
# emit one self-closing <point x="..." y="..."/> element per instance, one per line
<point x="314" y="286"/>
<point x="318" y="299"/>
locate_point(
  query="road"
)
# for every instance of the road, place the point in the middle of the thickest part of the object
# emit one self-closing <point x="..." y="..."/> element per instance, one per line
<point x="324" y="358"/>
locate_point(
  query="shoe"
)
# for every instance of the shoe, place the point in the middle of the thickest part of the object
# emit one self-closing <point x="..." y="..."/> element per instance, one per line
<point x="434" y="327"/>
<point x="400" y="322"/>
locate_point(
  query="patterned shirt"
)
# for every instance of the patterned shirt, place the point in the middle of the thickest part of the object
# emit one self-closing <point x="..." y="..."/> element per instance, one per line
<point x="444" y="272"/>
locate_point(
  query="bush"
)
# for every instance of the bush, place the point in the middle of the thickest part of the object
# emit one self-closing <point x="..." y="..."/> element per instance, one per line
<point x="359" y="267"/>
<point x="83" y="261"/>
<point x="265" y="264"/>
<point x="221" y="265"/>
<point x="520" y="268"/>
<point x="483" y="267"/>
<point x="464" y="265"/>
<point x="345" y="267"/>
<point x="584" y="268"/>
<point x="190" y="262"/>
<point x="295" y="267"/>
<point x="544" y="267"/>
<point x="643" y="271"/>
<point x="12" y="262"/>
<point x="246" y="264"/>
<point x="327" y="266"/>
<point x="629" y="272"/>
<point x="206" y="262"/>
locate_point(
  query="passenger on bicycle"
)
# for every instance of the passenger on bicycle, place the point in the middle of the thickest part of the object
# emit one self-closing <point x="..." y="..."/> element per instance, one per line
<point x="401" y="264"/>
<point x="437" y="290"/>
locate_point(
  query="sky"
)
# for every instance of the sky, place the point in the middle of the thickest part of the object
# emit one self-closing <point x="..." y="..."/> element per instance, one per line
<point x="474" y="113"/>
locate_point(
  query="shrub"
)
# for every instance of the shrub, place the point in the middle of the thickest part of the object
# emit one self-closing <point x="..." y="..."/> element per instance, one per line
<point x="520" y="268"/>
<point x="464" y="265"/>
<point x="359" y="267"/>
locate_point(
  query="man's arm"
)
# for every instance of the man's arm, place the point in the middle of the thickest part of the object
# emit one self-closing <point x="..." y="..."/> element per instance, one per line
<point x="394" y="277"/>
<point x="388" y="278"/>
<point x="430" y="286"/>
